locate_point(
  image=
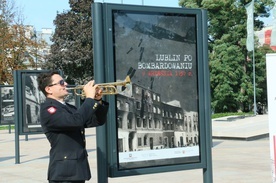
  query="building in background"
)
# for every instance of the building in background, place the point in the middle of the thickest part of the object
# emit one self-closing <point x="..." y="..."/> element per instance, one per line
<point x="264" y="36"/>
<point x="45" y="34"/>
<point x="38" y="54"/>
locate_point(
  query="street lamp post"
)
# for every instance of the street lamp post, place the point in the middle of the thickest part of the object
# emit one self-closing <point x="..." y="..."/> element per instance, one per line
<point x="35" y="36"/>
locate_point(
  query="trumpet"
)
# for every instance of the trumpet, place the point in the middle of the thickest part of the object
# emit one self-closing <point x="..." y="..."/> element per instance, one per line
<point x="107" y="88"/>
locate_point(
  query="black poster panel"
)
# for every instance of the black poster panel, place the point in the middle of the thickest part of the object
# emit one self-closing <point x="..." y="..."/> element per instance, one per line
<point x="7" y="104"/>
<point x="158" y="114"/>
<point x="161" y="125"/>
<point x="32" y="98"/>
<point x="29" y="100"/>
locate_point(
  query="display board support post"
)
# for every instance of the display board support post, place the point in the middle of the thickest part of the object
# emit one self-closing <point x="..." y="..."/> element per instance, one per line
<point x="17" y="149"/>
<point x="10" y="128"/>
<point x="16" y="120"/>
<point x="26" y="138"/>
<point x="99" y="75"/>
<point x="207" y="172"/>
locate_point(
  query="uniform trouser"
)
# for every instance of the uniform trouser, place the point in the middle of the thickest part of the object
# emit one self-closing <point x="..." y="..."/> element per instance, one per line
<point x="66" y="181"/>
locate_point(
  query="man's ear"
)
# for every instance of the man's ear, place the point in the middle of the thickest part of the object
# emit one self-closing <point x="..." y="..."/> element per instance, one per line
<point x="48" y="90"/>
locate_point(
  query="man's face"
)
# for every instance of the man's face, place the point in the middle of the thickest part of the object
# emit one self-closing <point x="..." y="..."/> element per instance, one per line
<point x="57" y="89"/>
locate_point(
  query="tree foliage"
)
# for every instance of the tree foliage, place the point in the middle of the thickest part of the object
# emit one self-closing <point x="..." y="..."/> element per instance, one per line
<point x="231" y="66"/>
<point x="15" y="42"/>
<point x="72" y="48"/>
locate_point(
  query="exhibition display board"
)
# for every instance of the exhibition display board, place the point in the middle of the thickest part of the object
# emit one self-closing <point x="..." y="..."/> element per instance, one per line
<point x="160" y="121"/>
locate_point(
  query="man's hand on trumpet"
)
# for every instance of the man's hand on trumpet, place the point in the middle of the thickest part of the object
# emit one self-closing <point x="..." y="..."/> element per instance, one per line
<point x="92" y="91"/>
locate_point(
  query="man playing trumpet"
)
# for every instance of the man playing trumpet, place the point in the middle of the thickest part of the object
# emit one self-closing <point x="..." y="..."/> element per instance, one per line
<point x="63" y="125"/>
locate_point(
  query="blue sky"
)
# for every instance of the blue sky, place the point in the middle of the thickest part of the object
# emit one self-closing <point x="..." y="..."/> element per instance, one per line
<point x="41" y="14"/>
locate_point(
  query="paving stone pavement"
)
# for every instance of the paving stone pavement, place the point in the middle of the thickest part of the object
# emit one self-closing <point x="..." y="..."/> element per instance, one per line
<point x="240" y="154"/>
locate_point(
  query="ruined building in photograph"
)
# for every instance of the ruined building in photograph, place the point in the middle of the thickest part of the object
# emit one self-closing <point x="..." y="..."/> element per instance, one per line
<point x="144" y="122"/>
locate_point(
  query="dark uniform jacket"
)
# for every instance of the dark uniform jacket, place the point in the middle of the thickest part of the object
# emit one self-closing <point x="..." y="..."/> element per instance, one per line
<point x="64" y="126"/>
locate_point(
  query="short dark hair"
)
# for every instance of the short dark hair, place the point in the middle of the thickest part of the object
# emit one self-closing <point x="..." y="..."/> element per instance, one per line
<point x="44" y="79"/>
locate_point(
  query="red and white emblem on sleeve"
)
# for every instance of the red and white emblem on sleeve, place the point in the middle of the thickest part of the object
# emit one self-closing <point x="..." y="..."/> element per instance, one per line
<point x="52" y="110"/>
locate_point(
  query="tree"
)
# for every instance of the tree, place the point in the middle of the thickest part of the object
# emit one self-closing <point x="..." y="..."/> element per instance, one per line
<point x="15" y="42"/>
<point x="72" y="48"/>
<point x="260" y="58"/>
<point x="230" y="67"/>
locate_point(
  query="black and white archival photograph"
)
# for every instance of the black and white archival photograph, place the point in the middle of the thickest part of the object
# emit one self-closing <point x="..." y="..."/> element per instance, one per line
<point x="7" y="104"/>
<point x="157" y="115"/>
<point x="32" y="98"/>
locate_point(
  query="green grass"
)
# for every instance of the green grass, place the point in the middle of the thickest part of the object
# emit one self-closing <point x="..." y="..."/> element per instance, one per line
<point x="6" y="127"/>
<point x="219" y="115"/>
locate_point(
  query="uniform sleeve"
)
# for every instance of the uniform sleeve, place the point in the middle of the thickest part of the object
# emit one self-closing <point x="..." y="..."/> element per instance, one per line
<point x="100" y="116"/>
